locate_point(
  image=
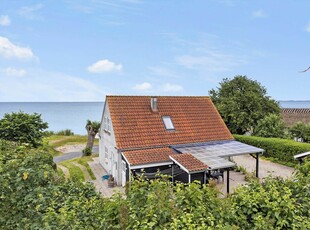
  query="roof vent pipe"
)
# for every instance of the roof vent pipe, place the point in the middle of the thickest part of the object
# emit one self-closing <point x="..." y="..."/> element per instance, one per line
<point x="154" y="104"/>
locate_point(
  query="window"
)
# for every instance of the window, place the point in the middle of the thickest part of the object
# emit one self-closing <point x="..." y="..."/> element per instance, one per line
<point x="107" y="124"/>
<point x="168" y="122"/>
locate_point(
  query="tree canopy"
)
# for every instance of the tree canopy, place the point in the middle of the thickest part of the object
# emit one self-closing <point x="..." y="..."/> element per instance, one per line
<point x="23" y="128"/>
<point x="242" y="102"/>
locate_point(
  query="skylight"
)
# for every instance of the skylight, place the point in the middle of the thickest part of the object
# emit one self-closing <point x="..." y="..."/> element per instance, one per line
<point x="168" y="122"/>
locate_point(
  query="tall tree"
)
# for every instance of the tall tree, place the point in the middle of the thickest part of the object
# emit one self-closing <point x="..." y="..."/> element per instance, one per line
<point x="22" y="128"/>
<point x="242" y="102"/>
<point x="92" y="128"/>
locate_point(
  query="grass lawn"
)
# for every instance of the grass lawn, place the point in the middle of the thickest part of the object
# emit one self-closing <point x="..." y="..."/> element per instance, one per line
<point x="75" y="171"/>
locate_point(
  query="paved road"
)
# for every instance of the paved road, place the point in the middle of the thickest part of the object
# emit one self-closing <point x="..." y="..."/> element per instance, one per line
<point x="68" y="156"/>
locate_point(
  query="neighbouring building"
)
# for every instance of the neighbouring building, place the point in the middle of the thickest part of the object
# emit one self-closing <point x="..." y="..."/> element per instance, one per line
<point x="293" y="115"/>
<point x="184" y="137"/>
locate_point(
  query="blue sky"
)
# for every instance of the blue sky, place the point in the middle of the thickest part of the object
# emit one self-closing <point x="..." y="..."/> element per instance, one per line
<point x="76" y="50"/>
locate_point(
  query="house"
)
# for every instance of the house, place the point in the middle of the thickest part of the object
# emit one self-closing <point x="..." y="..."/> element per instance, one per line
<point x="184" y="137"/>
<point x="293" y="115"/>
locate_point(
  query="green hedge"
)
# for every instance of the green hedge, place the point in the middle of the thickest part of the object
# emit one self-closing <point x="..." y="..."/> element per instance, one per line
<point x="280" y="150"/>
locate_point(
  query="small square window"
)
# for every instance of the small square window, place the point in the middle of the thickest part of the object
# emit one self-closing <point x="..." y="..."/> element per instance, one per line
<point x="168" y="122"/>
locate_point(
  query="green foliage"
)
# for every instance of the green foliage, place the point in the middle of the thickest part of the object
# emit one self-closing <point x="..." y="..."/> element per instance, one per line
<point x="23" y="128"/>
<point x="87" y="151"/>
<point x="65" y="132"/>
<point x="281" y="150"/>
<point x="301" y="130"/>
<point x="242" y="102"/>
<point x="271" y="125"/>
<point x="34" y="196"/>
<point x="274" y="204"/>
<point x="95" y="125"/>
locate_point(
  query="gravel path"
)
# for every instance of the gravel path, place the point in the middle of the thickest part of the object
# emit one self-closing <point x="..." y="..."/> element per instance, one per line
<point x="266" y="168"/>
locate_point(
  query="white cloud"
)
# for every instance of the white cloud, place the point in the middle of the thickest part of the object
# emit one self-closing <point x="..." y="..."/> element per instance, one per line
<point x="14" y="72"/>
<point x="259" y="14"/>
<point x="104" y="65"/>
<point x="308" y="27"/>
<point x="9" y="50"/>
<point x="145" y="86"/>
<point x="5" y="20"/>
<point x="167" y="87"/>
<point x="30" y="12"/>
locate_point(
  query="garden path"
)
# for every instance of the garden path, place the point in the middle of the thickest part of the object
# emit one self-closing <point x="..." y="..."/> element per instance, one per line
<point x="65" y="171"/>
<point x="84" y="170"/>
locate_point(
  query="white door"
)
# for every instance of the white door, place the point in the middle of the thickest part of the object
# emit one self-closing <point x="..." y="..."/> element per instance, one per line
<point x="124" y="173"/>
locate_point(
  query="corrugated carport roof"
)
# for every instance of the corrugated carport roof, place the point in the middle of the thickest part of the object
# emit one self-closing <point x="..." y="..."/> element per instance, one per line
<point x="214" y="154"/>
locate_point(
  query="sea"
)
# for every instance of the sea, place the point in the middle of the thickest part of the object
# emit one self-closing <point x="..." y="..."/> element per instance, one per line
<point x="59" y="115"/>
<point x="73" y="115"/>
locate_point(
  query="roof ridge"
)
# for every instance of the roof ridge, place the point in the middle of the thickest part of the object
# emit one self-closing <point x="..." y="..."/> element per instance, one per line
<point x="155" y="96"/>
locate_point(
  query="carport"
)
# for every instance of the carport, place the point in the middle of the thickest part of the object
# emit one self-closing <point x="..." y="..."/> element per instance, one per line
<point x="215" y="156"/>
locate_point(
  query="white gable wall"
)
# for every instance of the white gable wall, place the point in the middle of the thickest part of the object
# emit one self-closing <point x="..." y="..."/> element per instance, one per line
<point x="109" y="157"/>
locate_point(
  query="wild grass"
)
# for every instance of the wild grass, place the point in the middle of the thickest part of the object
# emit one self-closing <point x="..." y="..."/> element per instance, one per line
<point x="60" y="140"/>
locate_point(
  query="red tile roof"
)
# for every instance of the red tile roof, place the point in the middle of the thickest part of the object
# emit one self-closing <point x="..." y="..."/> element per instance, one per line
<point x="147" y="156"/>
<point x="188" y="161"/>
<point x="135" y="125"/>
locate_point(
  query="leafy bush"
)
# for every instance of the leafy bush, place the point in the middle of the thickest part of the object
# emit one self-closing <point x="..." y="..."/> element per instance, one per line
<point x="281" y="150"/>
<point x="271" y="125"/>
<point x="23" y="128"/>
<point x="87" y="151"/>
<point x="65" y="132"/>
<point x="33" y="196"/>
<point x="274" y="204"/>
<point x="48" y="133"/>
<point x="301" y="130"/>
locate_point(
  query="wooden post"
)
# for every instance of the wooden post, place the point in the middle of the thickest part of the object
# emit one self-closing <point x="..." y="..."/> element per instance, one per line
<point x="257" y="164"/>
<point x="189" y="178"/>
<point x="204" y="177"/>
<point x="227" y="189"/>
<point x="172" y="169"/>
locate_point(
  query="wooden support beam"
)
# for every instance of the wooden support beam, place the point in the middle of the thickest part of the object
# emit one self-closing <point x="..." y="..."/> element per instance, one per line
<point x="257" y="164"/>
<point x="227" y="189"/>
<point x="189" y="178"/>
<point x="172" y="171"/>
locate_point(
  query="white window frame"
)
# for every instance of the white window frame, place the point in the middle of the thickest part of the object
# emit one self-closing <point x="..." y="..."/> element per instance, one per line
<point x="168" y="123"/>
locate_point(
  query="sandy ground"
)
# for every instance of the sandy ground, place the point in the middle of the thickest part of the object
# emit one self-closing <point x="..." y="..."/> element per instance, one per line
<point x="266" y="167"/>
<point x="71" y="148"/>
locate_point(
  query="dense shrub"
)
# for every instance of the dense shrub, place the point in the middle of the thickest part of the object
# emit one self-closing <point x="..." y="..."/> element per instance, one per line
<point x="23" y="128"/>
<point x="301" y="130"/>
<point x="281" y="150"/>
<point x="271" y="125"/>
<point x="33" y="196"/>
